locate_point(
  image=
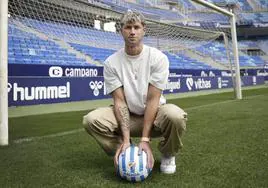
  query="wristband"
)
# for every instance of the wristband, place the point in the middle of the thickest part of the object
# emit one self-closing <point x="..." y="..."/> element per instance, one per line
<point x="145" y="139"/>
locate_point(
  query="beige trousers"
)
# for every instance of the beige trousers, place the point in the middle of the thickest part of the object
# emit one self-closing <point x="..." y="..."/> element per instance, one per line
<point x="170" y="123"/>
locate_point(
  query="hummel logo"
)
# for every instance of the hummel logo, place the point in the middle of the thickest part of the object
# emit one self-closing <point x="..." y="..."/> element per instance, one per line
<point x="96" y="86"/>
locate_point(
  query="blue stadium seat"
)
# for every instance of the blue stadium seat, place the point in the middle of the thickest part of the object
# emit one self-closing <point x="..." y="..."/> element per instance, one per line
<point x="27" y="48"/>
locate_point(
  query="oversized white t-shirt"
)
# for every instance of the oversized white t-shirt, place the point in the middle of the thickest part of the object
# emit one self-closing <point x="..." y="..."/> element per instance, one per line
<point x="135" y="73"/>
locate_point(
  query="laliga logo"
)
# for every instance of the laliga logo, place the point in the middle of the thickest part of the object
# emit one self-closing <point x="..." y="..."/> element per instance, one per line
<point x="211" y="74"/>
<point x="189" y="83"/>
<point x="9" y="87"/>
<point x="95" y="86"/>
<point x="203" y="74"/>
<point x="254" y="80"/>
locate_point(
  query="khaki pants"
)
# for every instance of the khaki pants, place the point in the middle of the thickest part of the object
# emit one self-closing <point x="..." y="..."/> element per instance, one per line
<point x="169" y="124"/>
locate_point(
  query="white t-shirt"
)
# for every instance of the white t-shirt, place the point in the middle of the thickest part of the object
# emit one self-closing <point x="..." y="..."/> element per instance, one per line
<point x="135" y="73"/>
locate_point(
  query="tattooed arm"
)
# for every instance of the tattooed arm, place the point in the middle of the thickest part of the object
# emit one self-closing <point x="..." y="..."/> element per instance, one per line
<point x="122" y="115"/>
<point x="152" y="105"/>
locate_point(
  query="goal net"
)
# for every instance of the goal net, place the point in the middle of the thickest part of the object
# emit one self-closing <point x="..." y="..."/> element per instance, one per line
<point x="183" y="29"/>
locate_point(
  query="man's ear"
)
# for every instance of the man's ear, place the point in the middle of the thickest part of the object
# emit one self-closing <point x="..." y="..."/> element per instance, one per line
<point x="144" y="30"/>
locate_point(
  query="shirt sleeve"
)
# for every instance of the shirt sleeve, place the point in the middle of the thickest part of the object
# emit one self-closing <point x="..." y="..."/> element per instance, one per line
<point x="111" y="78"/>
<point x="159" y="73"/>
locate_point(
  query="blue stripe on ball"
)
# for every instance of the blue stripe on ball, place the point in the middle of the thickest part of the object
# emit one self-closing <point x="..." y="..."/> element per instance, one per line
<point x="141" y="166"/>
<point x="132" y="156"/>
<point x="142" y="178"/>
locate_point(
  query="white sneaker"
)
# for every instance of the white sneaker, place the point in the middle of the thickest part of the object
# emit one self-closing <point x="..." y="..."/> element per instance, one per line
<point x="168" y="165"/>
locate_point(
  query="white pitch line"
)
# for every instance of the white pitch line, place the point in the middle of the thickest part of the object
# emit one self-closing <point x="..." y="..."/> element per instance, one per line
<point x="29" y="139"/>
<point x="216" y="103"/>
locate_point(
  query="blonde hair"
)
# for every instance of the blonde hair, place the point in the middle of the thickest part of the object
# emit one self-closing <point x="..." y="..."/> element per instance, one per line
<point x="132" y="17"/>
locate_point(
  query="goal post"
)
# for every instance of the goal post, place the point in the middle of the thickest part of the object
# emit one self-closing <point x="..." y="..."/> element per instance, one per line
<point x="234" y="42"/>
<point x="3" y="73"/>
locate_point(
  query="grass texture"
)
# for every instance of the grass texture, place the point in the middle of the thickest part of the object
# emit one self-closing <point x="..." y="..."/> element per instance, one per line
<point x="225" y="145"/>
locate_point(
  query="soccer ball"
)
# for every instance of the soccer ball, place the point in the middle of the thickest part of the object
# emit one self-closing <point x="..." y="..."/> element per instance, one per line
<point x="131" y="166"/>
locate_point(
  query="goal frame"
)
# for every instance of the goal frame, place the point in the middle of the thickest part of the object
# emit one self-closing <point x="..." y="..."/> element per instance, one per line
<point x="3" y="72"/>
<point x="237" y="83"/>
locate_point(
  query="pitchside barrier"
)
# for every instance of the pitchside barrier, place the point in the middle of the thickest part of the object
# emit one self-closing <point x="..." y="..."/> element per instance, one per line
<point x="56" y="84"/>
<point x="96" y="71"/>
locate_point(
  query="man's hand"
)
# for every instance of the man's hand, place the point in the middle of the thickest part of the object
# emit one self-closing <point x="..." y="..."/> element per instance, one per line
<point x="145" y="146"/>
<point x="119" y="150"/>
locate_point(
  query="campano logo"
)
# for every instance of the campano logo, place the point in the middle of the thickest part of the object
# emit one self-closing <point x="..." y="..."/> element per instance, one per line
<point x="55" y="71"/>
<point x="96" y="86"/>
<point x="189" y="83"/>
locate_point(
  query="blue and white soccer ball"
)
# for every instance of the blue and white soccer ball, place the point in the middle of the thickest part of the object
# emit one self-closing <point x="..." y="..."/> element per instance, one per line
<point x="131" y="166"/>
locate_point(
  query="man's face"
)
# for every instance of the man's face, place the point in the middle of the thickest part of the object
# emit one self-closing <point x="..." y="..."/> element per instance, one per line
<point x="133" y="33"/>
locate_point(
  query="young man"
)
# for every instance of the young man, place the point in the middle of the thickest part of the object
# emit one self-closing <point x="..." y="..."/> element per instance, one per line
<point x="135" y="76"/>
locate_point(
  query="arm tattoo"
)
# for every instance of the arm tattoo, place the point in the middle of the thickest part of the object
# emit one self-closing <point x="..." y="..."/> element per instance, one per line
<point x="124" y="113"/>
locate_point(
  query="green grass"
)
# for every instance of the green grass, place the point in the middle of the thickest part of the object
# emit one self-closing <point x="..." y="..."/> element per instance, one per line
<point x="225" y="145"/>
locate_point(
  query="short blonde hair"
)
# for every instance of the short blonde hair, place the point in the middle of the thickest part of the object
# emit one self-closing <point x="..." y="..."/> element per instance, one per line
<point x="132" y="17"/>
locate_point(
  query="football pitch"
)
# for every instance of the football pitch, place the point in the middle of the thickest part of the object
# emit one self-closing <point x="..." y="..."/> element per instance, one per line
<point x="225" y="145"/>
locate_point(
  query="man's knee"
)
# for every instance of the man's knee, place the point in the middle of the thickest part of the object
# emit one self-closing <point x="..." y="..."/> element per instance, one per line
<point x="88" y="119"/>
<point x="100" y="120"/>
<point x="176" y="117"/>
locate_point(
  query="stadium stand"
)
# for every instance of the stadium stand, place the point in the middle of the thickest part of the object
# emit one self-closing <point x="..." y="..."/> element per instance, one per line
<point x="37" y="51"/>
<point x="208" y="16"/>
<point x="98" y="54"/>
<point x="244" y="5"/>
<point x="246" y="15"/>
<point x="27" y="48"/>
<point x="84" y="44"/>
<point x="217" y="50"/>
<point x="184" y="62"/>
<point x="146" y="9"/>
<point x="263" y="3"/>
